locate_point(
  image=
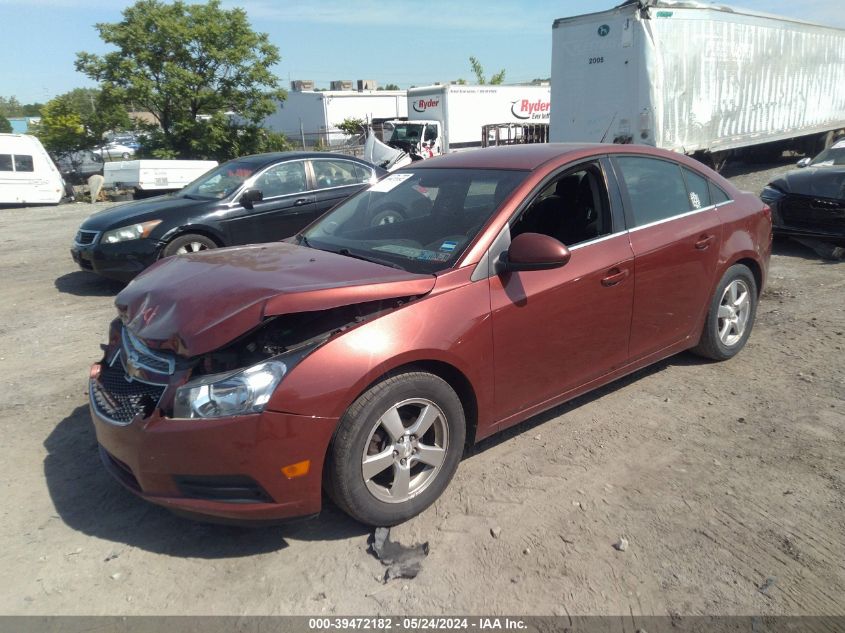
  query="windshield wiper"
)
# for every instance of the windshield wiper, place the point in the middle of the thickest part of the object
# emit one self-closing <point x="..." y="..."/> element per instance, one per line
<point x="374" y="260"/>
<point x="302" y="240"/>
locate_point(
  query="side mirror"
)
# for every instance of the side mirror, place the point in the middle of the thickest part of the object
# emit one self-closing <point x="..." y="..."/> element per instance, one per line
<point x="250" y="197"/>
<point x="804" y="162"/>
<point x="533" y="251"/>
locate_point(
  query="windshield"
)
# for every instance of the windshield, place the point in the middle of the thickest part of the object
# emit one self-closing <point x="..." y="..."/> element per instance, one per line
<point x="220" y="182"/>
<point x="407" y="132"/>
<point x="420" y="221"/>
<point x="832" y="156"/>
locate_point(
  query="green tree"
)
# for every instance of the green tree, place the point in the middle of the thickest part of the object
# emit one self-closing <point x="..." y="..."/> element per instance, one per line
<point x="352" y="126"/>
<point x="78" y="120"/>
<point x="5" y="126"/>
<point x="11" y="107"/>
<point x="180" y="60"/>
<point x="391" y="87"/>
<point x="61" y="130"/>
<point x="478" y="70"/>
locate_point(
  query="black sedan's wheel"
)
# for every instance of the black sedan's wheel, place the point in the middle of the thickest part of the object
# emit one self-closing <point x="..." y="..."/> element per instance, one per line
<point x="731" y="315"/>
<point x="396" y="449"/>
<point x="190" y="243"/>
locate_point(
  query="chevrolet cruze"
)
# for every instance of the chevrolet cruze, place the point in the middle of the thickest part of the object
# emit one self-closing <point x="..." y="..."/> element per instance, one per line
<point x="446" y="302"/>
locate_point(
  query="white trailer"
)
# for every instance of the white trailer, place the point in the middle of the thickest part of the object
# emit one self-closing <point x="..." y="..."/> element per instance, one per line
<point x="697" y="78"/>
<point x="308" y="116"/>
<point x="154" y="176"/>
<point x="449" y="117"/>
<point x="27" y="173"/>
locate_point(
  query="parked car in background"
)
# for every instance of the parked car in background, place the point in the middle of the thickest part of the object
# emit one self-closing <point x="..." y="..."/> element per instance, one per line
<point x="362" y="355"/>
<point x="115" y="151"/>
<point x="129" y="140"/>
<point x="809" y="202"/>
<point x="77" y="167"/>
<point x="244" y="201"/>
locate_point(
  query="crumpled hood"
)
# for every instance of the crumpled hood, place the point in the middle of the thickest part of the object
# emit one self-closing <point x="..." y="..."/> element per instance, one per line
<point x="822" y="182"/>
<point x="193" y="304"/>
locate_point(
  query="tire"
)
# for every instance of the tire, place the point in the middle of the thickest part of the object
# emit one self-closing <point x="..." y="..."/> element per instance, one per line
<point x="188" y="243"/>
<point x="389" y="214"/>
<point x="382" y="422"/>
<point x="730" y="316"/>
<point x="125" y="155"/>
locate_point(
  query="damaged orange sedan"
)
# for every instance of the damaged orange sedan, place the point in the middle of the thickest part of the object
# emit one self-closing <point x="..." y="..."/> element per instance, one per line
<point x="450" y="300"/>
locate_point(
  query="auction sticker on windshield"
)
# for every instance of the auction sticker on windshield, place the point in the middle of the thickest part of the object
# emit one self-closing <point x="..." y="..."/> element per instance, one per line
<point x="392" y="181"/>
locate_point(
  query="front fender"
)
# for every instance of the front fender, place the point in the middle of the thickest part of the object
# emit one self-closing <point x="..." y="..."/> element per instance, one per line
<point x="452" y="327"/>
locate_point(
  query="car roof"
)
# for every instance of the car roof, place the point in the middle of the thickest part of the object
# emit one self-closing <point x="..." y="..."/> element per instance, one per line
<point x="260" y="160"/>
<point x="532" y="156"/>
<point x="510" y="156"/>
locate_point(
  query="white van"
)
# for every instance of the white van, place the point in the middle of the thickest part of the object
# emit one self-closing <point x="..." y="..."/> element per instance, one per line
<point x="27" y="174"/>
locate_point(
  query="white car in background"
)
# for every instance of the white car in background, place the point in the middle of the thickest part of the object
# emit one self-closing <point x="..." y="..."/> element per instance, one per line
<point x="114" y="151"/>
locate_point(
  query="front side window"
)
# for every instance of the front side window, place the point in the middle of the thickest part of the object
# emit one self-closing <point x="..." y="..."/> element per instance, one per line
<point x="417" y="220"/>
<point x="282" y="180"/>
<point x="338" y="173"/>
<point x="23" y="163"/>
<point x="573" y="208"/>
<point x="655" y="187"/>
<point x="220" y="182"/>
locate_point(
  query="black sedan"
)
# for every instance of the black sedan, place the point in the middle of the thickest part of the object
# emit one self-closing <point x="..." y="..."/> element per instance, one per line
<point x="247" y="200"/>
<point x="810" y="202"/>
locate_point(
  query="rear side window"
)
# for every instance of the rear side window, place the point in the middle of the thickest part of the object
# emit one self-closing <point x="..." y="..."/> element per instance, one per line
<point x="337" y="173"/>
<point x="699" y="192"/>
<point x="23" y="163"/>
<point x="656" y="188"/>
<point x="5" y="162"/>
<point x="718" y="195"/>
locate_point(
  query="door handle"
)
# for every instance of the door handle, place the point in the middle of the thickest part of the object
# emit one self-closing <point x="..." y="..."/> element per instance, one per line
<point x="615" y="276"/>
<point x="300" y="201"/>
<point x="703" y="242"/>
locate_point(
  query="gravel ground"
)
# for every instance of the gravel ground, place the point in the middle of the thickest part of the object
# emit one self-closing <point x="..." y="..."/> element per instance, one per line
<point x="726" y="479"/>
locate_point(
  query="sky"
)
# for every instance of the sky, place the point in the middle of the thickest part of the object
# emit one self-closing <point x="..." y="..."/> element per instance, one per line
<point x="404" y="42"/>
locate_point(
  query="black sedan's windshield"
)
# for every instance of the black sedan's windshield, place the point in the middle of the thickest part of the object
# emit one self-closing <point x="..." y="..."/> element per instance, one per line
<point x="419" y="220"/>
<point x="220" y="182"/>
<point x="833" y="156"/>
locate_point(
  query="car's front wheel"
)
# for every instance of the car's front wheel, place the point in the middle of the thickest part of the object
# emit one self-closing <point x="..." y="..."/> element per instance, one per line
<point x="396" y="449"/>
<point x="190" y="243"/>
<point x="730" y="316"/>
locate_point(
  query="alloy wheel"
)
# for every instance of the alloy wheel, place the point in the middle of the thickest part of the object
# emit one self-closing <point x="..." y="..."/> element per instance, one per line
<point x="734" y="310"/>
<point x="191" y="247"/>
<point x="405" y="450"/>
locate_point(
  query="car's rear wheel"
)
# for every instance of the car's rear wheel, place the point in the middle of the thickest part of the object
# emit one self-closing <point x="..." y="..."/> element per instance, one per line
<point x="730" y="316"/>
<point x="396" y="449"/>
<point x="190" y="243"/>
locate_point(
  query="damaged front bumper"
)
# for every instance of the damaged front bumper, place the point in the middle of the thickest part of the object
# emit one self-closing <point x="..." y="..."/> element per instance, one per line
<point x="225" y="468"/>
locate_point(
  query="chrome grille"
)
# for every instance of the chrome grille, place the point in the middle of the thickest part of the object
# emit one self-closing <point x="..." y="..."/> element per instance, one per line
<point x="121" y="400"/>
<point x="86" y="237"/>
<point x="143" y="357"/>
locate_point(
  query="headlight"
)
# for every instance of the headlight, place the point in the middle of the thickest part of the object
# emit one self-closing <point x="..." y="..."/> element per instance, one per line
<point x="770" y="194"/>
<point x="131" y="232"/>
<point x="218" y="396"/>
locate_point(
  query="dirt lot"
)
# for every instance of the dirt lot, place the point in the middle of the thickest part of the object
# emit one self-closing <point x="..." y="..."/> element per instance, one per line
<point x="724" y="478"/>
